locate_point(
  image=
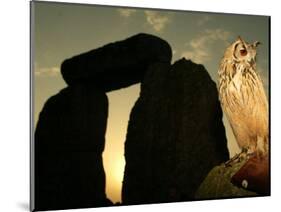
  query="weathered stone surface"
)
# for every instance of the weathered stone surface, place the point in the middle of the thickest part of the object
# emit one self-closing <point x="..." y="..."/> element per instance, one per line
<point x="117" y="65"/>
<point x="175" y="135"/>
<point x="69" y="141"/>
<point x="218" y="184"/>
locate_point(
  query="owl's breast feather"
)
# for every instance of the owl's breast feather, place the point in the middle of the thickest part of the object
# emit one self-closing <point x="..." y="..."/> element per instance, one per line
<point x="236" y="82"/>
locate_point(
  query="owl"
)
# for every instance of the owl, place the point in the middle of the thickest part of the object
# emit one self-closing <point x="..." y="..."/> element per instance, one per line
<point x="243" y="97"/>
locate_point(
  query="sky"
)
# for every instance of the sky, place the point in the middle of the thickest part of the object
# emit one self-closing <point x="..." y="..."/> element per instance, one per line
<point x="64" y="30"/>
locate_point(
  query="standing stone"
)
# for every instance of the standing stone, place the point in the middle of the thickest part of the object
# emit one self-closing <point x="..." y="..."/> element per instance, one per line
<point x="148" y="145"/>
<point x="175" y="135"/>
<point x="69" y="141"/>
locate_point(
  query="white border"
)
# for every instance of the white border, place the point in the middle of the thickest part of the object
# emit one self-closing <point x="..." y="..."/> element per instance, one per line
<point x="14" y="111"/>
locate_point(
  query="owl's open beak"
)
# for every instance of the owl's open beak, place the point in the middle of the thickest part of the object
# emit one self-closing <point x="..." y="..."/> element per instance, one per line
<point x="252" y="61"/>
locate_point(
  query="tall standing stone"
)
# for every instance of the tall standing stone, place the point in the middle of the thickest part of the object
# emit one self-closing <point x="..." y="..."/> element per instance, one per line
<point x="175" y="134"/>
<point x="69" y="141"/>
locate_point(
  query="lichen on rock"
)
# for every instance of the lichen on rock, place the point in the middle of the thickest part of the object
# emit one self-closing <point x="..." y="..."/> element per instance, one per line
<point x="218" y="184"/>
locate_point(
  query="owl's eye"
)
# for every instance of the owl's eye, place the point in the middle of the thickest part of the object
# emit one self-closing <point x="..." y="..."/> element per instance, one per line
<point x="243" y="52"/>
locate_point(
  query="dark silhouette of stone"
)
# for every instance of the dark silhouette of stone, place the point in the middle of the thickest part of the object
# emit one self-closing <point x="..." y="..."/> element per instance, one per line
<point x="175" y="134"/>
<point x="117" y="65"/>
<point x="69" y="141"/>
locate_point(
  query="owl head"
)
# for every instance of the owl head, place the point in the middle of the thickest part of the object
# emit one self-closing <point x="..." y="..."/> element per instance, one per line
<point x="243" y="52"/>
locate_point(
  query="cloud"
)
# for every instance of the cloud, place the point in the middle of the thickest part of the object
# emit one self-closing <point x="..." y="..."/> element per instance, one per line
<point x="203" y="20"/>
<point x="198" y="49"/>
<point x="47" y="71"/>
<point x="126" y="12"/>
<point x="197" y="56"/>
<point x="156" y="20"/>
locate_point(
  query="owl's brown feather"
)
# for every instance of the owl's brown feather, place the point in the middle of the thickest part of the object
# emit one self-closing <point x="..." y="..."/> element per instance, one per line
<point x="243" y="98"/>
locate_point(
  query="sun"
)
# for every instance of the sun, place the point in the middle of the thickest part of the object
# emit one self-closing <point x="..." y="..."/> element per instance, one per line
<point x="114" y="178"/>
<point x="118" y="170"/>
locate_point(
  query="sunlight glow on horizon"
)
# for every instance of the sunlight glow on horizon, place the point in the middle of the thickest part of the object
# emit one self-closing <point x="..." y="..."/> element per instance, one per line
<point x="117" y="123"/>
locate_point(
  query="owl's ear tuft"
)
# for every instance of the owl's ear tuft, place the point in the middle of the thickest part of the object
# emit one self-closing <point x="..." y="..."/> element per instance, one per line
<point x="239" y="38"/>
<point x="256" y="43"/>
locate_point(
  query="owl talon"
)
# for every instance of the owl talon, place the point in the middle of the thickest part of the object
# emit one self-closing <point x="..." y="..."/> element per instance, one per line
<point x="237" y="157"/>
<point x="250" y="154"/>
<point x="244" y="150"/>
<point x="232" y="160"/>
